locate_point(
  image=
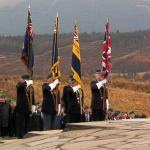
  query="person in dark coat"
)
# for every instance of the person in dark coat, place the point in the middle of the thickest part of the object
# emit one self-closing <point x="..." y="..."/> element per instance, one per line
<point x="5" y="113"/>
<point x="99" y="97"/>
<point x="22" y="106"/>
<point x="49" y="108"/>
<point x="72" y="101"/>
<point x="12" y="122"/>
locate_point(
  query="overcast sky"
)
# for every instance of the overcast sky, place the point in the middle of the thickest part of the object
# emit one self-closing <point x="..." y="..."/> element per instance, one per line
<point x="124" y="15"/>
<point x="4" y="3"/>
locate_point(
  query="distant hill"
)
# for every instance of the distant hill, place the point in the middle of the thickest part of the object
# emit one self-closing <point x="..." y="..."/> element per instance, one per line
<point x="130" y="53"/>
<point x="132" y="63"/>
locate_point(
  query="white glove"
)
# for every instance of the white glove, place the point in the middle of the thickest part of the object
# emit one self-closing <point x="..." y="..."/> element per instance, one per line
<point x="104" y="81"/>
<point x="29" y="82"/>
<point x="107" y="104"/>
<point x="76" y="88"/>
<point x="54" y="84"/>
<point x="41" y="115"/>
<point x="33" y="108"/>
<point x="99" y="84"/>
<point x="56" y="81"/>
<point x="59" y="109"/>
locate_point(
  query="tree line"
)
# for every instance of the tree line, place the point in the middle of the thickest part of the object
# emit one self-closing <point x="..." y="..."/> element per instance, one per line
<point x="122" y="44"/>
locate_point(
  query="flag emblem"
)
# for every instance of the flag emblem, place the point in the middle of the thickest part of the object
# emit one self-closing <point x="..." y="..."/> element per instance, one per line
<point x="76" y="57"/>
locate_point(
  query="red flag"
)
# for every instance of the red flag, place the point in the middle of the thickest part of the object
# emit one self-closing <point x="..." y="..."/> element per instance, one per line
<point x="106" y="51"/>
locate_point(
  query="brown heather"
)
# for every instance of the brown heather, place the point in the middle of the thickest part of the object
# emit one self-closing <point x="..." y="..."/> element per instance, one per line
<point x="124" y="94"/>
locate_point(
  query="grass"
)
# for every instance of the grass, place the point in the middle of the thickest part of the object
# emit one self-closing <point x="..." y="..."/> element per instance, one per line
<point x="124" y="94"/>
<point x="141" y="74"/>
<point x="6" y="138"/>
<point x="9" y="98"/>
<point x="138" y="75"/>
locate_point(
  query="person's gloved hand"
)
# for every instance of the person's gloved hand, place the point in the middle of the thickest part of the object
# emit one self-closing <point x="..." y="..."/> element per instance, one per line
<point x="107" y="104"/>
<point x="59" y="109"/>
<point x="54" y="84"/>
<point x="99" y="84"/>
<point x="76" y="88"/>
<point x="29" y="82"/>
<point x="104" y="81"/>
<point x="33" y="108"/>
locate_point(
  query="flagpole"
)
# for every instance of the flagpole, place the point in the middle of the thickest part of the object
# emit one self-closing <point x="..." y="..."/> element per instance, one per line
<point x="81" y="93"/>
<point x="29" y="71"/>
<point x="75" y="21"/>
<point x="57" y="87"/>
<point x="108" y="68"/>
<point x="27" y="56"/>
<point x="55" y="61"/>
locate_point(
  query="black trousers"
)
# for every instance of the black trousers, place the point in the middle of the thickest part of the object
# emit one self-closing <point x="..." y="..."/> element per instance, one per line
<point x="49" y="121"/>
<point x="98" y="115"/>
<point x="12" y="125"/>
<point x="3" y="131"/>
<point x="73" y="118"/>
<point x="21" y="125"/>
<point x="35" y="122"/>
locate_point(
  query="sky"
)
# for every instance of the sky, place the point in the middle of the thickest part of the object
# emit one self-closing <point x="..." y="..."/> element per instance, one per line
<point x="124" y="15"/>
<point x="5" y="3"/>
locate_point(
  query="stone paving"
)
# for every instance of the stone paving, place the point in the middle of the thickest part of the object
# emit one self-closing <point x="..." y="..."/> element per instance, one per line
<point x="110" y="135"/>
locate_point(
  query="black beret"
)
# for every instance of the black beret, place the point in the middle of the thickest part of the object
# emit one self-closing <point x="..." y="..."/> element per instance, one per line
<point x="103" y="72"/>
<point x="98" y="71"/>
<point x="25" y="76"/>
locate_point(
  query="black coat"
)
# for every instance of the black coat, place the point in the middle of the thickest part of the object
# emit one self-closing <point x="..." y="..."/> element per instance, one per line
<point x="22" y="104"/>
<point x="49" y="100"/>
<point x="5" y="114"/>
<point x="70" y="100"/>
<point x="99" y="97"/>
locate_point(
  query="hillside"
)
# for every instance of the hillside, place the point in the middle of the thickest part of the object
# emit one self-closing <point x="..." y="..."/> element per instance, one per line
<point x="130" y="53"/>
<point x="133" y="62"/>
<point x="124" y="95"/>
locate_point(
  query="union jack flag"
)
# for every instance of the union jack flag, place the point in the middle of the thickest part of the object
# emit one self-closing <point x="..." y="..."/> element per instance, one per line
<point x="106" y="51"/>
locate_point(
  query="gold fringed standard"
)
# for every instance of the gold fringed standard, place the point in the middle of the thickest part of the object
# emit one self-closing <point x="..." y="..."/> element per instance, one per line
<point x="76" y="63"/>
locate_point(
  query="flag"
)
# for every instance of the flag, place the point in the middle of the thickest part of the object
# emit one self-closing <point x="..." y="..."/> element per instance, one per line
<point x="76" y="58"/>
<point x="55" y="58"/>
<point x="27" y="54"/>
<point x="106" y="51"/>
